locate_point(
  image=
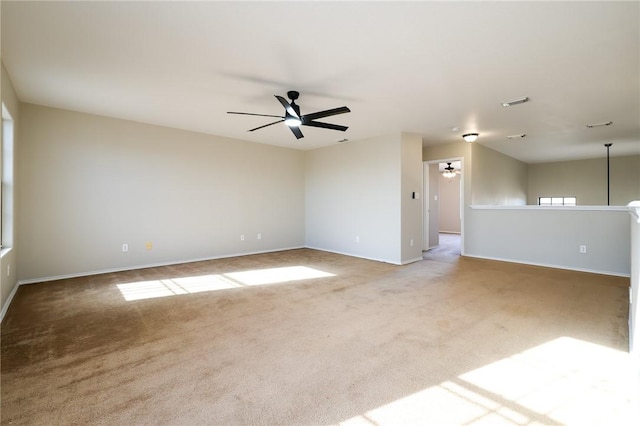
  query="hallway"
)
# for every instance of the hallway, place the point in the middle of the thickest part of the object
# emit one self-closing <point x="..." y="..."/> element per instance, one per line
<point x="447" y="251"/>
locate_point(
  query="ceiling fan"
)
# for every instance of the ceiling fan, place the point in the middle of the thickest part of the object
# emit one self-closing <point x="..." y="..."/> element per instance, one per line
<point x="450" y="172"/>
<point x="293" y="119"/>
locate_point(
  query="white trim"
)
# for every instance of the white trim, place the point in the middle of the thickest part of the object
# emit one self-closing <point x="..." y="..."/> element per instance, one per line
<point x="5" y="308"/>
<point x="546" y="265"/>
<point x="152" y="265"/>
<point x="7" y="303"/>
<point x="541" y="208"/>
<point x="5" y="251"/>
<point x="634" y="210"/>
<point x="355" y="255"/>
<point x="463" y="194"/>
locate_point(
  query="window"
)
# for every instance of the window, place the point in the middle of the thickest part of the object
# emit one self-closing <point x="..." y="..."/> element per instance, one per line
<point x="6" y="189"/>
<point x="557" y="201"/>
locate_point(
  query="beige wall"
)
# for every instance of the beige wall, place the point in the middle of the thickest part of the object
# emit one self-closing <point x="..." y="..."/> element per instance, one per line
<point x="449" y="204"/>
<point x="498" y="232"/>
<point x="350" y="194"/>
<point x="433" y="206"/>
<point x="456" y="151"/>
<point x="586" y="180"/>
<point x="411" y="192"/>
<point x="359" y="198"/>
<point x="552" y="237"/>
<point x="91" y="184"/>
<point x="497" y="179"/>
<point x="9" y="258"/>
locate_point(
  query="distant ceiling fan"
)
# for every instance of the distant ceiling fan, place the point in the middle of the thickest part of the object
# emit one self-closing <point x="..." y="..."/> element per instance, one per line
<point x="293" y="119"/>
<point x="450" y="172"/>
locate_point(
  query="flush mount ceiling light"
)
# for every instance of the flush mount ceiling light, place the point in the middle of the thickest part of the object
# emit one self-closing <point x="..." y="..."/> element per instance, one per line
<point x="470" y="137"/>
<point x="591" y="126"/>
<point x="515" y="102"/>
<point x="521" y="135"/>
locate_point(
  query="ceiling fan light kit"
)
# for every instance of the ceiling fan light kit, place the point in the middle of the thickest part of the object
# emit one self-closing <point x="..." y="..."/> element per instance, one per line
<point x="470" y="137"/>
<point x="449" y="172"/>
<point x="293" y="119"/>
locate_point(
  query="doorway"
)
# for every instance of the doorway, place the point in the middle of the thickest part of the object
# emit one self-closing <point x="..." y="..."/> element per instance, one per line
<point x="443" y="221"/>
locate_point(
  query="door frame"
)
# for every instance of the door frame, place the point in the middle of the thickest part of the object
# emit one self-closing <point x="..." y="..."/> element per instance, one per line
<point x="426" y="199"/>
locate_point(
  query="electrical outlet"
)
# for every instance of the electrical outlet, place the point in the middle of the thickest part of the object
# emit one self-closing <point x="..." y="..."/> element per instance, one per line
<point x="125" y="247"/>
<point x="357" y="238"/>
<point x="259" y="236"/>
<point x="411" y="243"/>
<point x="583" y="249"/>
<point x="242" y="237"/>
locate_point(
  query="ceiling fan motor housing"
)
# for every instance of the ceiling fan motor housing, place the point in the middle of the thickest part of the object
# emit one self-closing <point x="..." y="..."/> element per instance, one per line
<point x="293" y="95"/>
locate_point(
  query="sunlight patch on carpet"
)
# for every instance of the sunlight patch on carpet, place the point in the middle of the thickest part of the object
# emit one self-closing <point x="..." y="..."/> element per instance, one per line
<point x="188" y="285"/>
<point x="564" y="381"/>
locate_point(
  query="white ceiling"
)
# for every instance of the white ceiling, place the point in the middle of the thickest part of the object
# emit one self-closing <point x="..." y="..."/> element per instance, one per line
<point x="419" y="67"/>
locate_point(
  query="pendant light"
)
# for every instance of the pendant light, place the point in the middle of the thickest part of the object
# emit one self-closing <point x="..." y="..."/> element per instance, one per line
<point x="608" y="145"/>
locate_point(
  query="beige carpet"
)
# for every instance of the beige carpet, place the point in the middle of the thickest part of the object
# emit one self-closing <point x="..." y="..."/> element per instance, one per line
<point x="341" y="341"/>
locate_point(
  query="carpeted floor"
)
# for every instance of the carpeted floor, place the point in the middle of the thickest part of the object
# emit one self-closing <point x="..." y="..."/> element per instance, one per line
<point x="306" y="337"/>
<point x="447" y="250"/>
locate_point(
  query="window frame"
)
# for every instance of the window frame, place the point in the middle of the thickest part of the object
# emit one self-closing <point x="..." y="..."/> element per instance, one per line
<point x="7" y="196"/>
<point x="558" y="201"/>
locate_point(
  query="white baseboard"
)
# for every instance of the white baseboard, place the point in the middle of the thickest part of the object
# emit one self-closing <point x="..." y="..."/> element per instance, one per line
<point x="155" y="265"/>
<point x="7" y="303"/>
<point x="151" y="265"/>
<point x="375" y="259"/>
<point x="355" y="255"/>
<point x="546" y="265"/>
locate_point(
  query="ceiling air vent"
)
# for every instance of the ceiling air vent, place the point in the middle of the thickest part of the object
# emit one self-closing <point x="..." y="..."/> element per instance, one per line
<point x="515" y="102"/>
<point x="521" y="135"/>
<point x="591" y="126"/>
